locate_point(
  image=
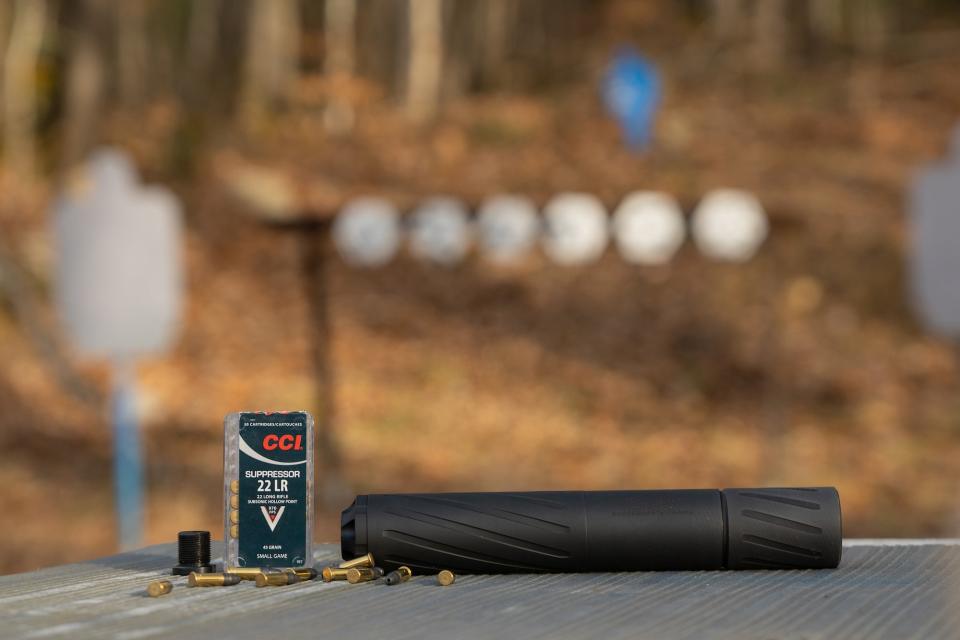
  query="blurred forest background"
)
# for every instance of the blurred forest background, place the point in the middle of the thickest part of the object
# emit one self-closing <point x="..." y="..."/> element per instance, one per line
<point x="805" y="366"/>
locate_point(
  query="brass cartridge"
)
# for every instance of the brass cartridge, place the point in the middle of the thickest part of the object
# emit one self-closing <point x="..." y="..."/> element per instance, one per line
<point x="362" y="561"/>
<point x="159" y="588"/>
<point x="304" y="573"/>
<point x="446" y="578"/>
<point x="277" y="579"/>
<point x="360" y="574"/>
<point x="400" y="574"/>
<point x="212" y="579"/>
<point x="330" y="574"/>
<point x="245" y="573"/>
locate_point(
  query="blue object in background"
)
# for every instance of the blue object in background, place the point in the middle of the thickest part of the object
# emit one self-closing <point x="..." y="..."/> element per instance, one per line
<point x="631" y="93"/>
<point x="127" y="456"/>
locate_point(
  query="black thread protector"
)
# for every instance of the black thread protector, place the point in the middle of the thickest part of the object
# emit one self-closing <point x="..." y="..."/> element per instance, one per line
<point x="193" y="553"/>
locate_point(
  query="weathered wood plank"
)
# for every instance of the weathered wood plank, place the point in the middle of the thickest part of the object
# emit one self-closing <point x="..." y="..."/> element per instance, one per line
<point x="881" y="590"/>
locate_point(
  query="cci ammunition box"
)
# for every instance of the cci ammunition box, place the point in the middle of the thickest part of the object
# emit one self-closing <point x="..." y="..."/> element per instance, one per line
<point x="268" y="489"/>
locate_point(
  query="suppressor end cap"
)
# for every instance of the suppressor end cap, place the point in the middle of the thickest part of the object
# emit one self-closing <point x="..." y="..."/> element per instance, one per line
<point x="783" y="528"/>
<point x="353" y="529"/>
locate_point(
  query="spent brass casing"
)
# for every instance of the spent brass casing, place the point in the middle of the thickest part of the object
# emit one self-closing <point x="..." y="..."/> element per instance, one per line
<point x="304" y="573"/>
<point x="245" y="573"/>
<point x="330" y="574"/>
<point x="446" y="578"/>
<point x="212" y="579"/>
<point x="277" y="579"/>
<point x="159" y="588"/>
<point x="360" y="574"/>
<point x="362" y="561"/>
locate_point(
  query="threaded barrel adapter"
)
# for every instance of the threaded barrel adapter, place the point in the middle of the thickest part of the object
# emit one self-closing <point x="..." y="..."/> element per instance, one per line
<point x="193" y="553"/>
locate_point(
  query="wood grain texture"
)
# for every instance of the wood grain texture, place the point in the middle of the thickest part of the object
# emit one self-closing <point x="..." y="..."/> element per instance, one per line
<point x="883" y="589"/>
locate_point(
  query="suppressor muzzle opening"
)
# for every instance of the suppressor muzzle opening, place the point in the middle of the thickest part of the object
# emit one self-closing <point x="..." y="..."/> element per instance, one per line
<point x="353" y="529"/>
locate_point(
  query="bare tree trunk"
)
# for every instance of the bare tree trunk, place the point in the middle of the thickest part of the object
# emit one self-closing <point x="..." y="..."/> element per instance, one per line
<point x="4" y="27"/>
<point x="273" y="45"/>
<point x="381" y="49"/>
<point x="729" y="18"/>
<point x="496" y="37"/>
<point x="341" y="18"/>
<point x="870" y="22"/>
<point x="425" y="63"/>
<point x="339" y="61"/>
<point x="826" y="20"/>
<point x="19" y="86"/>
<point x="85" y="79"/>
<point x="771" y="31"/>
<point x="202" y="38"/>
<point x="131" y="29"/>
<point x="462" y="38"/>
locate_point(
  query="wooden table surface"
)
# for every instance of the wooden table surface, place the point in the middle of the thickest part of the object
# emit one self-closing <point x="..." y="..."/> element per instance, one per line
<point x="883" y="589"/>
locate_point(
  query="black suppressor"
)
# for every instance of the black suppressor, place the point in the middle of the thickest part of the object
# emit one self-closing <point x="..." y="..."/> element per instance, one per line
<point x="568" y="531"/>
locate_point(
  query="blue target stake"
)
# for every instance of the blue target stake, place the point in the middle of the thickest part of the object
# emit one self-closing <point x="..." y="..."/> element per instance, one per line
<point x="127" y="455"/>
<point x="632" y="93"/>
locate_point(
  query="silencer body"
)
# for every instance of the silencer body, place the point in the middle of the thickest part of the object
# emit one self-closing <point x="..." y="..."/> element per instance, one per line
<point x="573" y="531"/>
